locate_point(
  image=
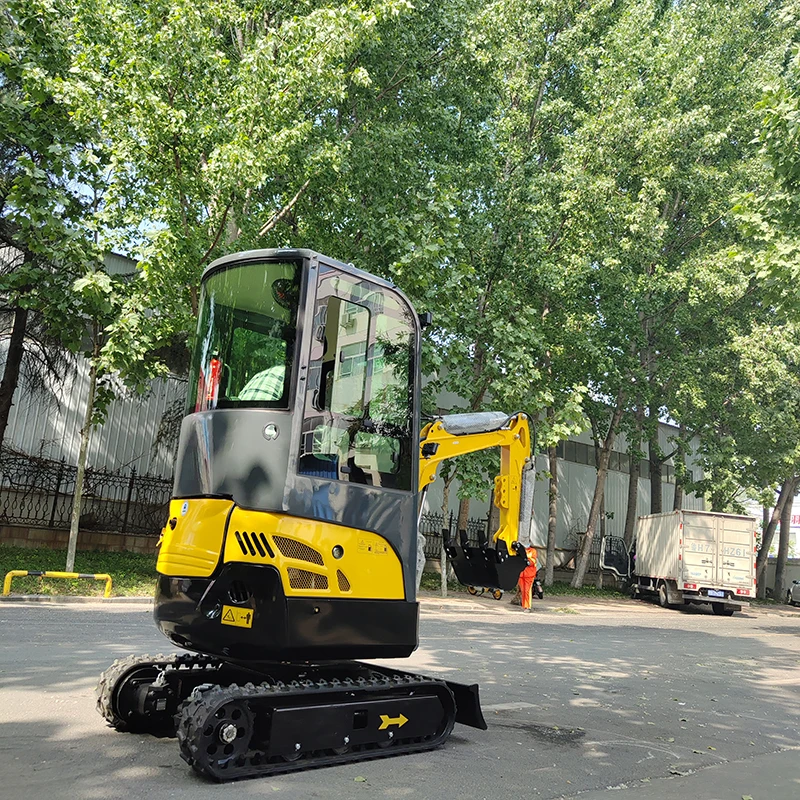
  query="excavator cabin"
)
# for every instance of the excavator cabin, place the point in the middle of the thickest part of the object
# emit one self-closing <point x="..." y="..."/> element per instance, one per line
<point x="296" y="477"/>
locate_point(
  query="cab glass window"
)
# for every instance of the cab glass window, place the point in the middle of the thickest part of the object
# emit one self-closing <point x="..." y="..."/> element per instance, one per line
<point x="245" y="337"/>
<point x="358" y="419"/>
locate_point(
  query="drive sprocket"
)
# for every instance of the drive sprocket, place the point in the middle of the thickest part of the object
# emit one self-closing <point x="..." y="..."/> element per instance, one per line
<point x="116" y="701"/>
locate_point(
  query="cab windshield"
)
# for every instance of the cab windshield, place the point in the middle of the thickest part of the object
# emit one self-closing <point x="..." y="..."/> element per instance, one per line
<point x="244" y="351"/>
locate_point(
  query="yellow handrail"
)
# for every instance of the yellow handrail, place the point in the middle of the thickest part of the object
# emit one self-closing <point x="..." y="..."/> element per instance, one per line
<point x="18" y="573"/>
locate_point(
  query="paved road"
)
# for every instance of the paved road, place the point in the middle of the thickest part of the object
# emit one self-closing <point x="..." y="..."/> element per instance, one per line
<point x="597" y="700"/>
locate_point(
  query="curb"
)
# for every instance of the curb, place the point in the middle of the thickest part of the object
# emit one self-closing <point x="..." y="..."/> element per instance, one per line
<point x="66" y="598"/>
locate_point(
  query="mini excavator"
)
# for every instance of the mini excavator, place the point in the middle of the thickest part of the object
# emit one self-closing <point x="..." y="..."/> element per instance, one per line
<point x="291" y="545"/>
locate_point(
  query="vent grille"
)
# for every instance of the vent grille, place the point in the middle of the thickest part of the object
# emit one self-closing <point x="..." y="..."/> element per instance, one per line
<point x="291" y="548"/>
<point x="250" y="543"/>
<point x="303" y="579"/>
<point x="344" y="584"/>
<point x="238" y="593"/>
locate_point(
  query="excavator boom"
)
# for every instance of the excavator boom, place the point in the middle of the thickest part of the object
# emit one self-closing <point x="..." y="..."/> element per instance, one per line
<point x="496" y="564"/>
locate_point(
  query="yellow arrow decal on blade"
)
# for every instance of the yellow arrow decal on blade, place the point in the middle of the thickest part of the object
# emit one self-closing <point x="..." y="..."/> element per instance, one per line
<point x="386" y="721"/>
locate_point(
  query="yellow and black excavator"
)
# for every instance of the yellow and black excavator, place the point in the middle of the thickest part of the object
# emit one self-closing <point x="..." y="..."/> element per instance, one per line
<point x="291" y="546"/>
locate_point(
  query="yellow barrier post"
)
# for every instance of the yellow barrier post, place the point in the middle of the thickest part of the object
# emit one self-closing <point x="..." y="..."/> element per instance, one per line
<point x="19" y="573"/>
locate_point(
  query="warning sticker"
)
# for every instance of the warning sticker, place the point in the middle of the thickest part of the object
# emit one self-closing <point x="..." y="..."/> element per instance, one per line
<point x="376" y="546"/>
<point x="240" y="617"/>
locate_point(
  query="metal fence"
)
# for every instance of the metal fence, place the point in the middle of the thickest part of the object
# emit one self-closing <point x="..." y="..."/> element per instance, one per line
<point x="432" y="525"/>
<point x="38" y="492"/>
<point x="574" y="542"/>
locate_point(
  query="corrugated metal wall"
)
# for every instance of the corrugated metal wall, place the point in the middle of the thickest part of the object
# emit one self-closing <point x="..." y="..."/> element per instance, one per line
<point x="47" y="423"/>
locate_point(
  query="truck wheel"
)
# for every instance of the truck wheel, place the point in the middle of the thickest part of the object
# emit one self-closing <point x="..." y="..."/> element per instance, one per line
<point x="663" y="597"/>
<point x="722" y="610"/>
<point x="472" y="590"/>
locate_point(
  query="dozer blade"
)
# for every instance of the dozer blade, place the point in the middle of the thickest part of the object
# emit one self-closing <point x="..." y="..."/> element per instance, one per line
<point x="468" y="704"/>
<point x="490" y="567"/>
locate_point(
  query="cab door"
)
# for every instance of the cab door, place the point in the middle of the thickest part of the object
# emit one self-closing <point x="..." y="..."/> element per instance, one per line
<point x="356" y="418"/>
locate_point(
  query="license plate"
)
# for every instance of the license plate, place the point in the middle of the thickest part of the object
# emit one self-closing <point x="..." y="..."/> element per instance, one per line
<point x="715" y="593"/>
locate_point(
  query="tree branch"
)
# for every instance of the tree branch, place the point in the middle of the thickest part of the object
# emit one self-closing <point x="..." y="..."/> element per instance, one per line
<point x="276" y="218"/>
<point x="219" y="233"/>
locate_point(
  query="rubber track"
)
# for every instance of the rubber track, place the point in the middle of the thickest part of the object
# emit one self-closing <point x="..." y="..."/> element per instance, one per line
<point x="106" y="691"/>
<point x="196" y="711"/>
<point x="109" y="680"/>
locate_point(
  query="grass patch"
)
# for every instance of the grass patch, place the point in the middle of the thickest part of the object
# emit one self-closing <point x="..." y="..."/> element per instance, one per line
<point x="768" y="601"/>
<point x="432" y="582"/>
<point x="559" y="588"/>
<point x="133" y="574"/>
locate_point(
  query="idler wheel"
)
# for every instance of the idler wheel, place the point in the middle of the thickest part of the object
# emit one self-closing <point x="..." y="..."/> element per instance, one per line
<point x="225" y="735"/>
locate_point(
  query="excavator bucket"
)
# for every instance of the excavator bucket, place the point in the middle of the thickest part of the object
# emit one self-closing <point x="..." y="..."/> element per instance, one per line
<point x="491" y="567"/>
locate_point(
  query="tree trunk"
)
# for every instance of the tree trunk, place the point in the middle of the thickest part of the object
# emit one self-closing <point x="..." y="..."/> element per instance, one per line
<point x="552" y="516"/>
<point x="463" y="514"/>
<point x="597" y="450"/>
<point x="783" y="546"/>
<point x="85" y="433"/>
<point x="594" y="512"/>
<point x="635" y="464"/>
<point x="598" y="583"/>
<point x="597" y="499"/>
<point x="769" y="532"/>
<point x="633" y="500"/>
<point x="680" y="472"/>
<point x="8" y="385"/>
<point x="677" y="502"/>
<point x="656" y="472"/>
<point x="493" y="517"/>
<point x="448" y="480"/>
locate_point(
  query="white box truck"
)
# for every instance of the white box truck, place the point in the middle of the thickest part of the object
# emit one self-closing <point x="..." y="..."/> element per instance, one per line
<point x="691" y="557"/>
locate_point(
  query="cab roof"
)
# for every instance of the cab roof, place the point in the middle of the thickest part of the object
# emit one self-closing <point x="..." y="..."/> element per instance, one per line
<point x="288" y="254"/>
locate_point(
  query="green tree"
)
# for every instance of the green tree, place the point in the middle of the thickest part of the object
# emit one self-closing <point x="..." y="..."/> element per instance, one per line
<point x="746" y="413"/>
<point x="97" y="300"/>
<point x="48" y="165"/>
<point x="218" y="119"/>
<point x="667" y="132"/>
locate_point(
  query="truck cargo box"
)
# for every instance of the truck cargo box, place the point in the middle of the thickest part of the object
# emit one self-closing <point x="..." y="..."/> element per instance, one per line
<point x="696" y="557"/>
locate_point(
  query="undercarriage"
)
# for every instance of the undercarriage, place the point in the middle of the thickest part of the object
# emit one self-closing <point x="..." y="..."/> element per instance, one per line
<point x="236" y="722"/>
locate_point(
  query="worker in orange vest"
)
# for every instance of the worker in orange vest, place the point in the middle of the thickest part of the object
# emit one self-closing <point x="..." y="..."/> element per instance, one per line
<point x="527" y="577"/>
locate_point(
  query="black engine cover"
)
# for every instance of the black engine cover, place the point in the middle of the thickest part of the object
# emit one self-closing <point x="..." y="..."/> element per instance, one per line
<point x="189" y="612"/>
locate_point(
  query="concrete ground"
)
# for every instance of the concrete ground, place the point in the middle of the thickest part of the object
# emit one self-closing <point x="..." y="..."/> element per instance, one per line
<point x="584" y="698"/>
